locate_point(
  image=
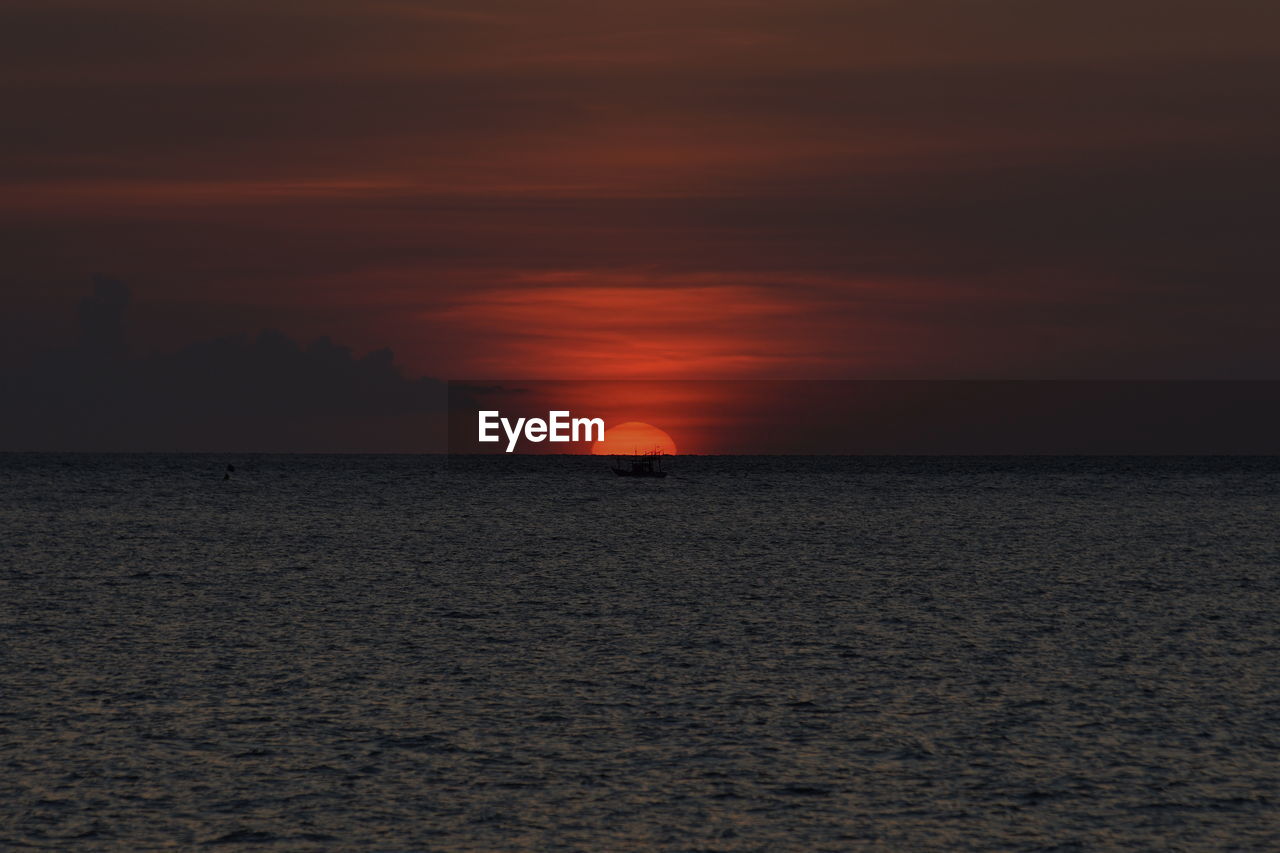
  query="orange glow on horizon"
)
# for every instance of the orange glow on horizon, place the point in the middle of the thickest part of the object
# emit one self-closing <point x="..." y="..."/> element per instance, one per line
<point x="633" y="437"/>
<point x="633" y="327"/>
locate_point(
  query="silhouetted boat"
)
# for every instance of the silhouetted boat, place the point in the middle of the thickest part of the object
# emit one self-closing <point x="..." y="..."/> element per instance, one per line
<point x="641" y="465"/>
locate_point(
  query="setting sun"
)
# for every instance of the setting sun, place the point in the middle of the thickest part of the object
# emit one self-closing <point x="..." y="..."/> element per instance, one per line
<point x="633" y="437"/>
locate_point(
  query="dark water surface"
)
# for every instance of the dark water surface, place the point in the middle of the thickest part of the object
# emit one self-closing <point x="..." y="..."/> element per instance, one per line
<point x="530" y="654"/>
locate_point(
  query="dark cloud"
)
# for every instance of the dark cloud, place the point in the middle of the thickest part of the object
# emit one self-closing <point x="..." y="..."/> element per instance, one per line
<point x="236" y="393"/>
<point x="102" y="314"/>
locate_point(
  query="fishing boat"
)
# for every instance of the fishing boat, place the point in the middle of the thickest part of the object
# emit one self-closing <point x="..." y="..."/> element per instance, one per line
<point x="641" y="465"/>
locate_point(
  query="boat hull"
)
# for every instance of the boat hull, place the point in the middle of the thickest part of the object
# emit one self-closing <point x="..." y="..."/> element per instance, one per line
<point x="622" y="472"/>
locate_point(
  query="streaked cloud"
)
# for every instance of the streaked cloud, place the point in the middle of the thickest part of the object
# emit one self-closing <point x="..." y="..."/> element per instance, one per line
<point x="824" y="188"/>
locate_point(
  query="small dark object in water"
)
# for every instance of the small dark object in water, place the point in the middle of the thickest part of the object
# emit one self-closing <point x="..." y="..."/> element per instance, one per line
<point x="641" y="465"/>
<point x="231" y="469"/>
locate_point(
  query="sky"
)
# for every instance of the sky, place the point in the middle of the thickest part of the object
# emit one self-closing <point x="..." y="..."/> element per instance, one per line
<point x="878" y="417"/>
<point x="692" y="190"/>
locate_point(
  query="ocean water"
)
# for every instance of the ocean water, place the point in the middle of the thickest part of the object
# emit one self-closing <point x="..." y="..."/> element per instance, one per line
<point x="395" y="653"/>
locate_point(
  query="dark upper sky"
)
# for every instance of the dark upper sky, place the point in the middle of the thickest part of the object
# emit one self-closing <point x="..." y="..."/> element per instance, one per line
<point x="693" y="189"/>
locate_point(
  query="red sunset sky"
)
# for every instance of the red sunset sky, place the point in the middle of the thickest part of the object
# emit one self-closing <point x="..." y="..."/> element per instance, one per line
<point x="702" y="189"/>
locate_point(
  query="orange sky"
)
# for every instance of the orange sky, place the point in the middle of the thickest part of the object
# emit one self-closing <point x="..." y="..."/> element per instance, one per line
<point x="701" y="189"/>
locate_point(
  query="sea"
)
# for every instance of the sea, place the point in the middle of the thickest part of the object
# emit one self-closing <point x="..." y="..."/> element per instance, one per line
<point x="527" y="653"/>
